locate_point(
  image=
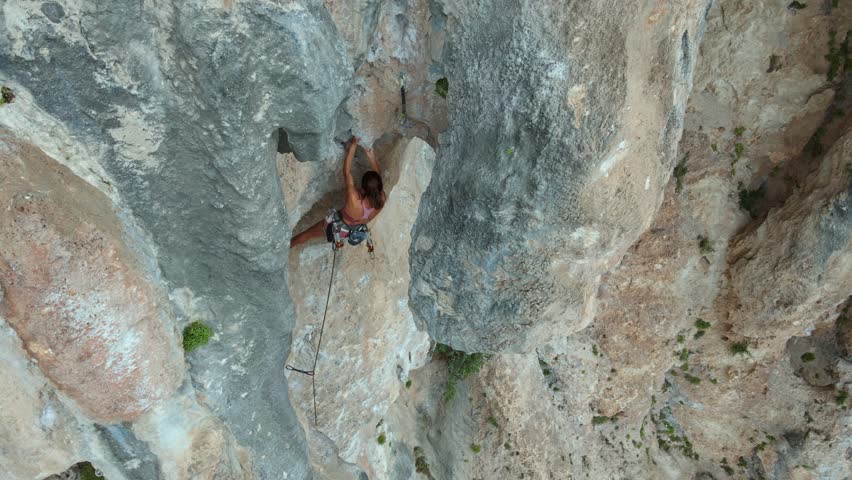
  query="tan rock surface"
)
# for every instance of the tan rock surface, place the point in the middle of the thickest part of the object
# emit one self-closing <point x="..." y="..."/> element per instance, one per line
<point x="76" y="295"/>
<point x="370" y="342"/>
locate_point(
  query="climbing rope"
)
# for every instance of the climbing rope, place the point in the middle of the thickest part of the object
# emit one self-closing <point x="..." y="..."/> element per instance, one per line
<point x="312" y="371"/>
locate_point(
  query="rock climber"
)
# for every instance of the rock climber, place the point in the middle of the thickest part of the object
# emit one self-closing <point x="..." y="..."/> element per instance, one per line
<point x="362" y="204"/>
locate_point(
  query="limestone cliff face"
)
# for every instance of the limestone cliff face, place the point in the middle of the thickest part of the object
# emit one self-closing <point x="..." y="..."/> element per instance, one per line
<point x="640" y="209"/>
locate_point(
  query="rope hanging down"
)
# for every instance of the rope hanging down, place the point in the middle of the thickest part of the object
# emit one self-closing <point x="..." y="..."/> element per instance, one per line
<point x="311" y="373"/>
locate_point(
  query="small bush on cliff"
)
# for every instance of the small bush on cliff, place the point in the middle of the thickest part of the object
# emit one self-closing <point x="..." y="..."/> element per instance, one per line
<point x="749" y="200"/>
<point x="442" y="87"/>
<point x="87" y="472"/>
<point x="705" y="245"/>
<point x="679" y="172"/>
<point x="420" y="463"/>
<point x="460" y="365"/>
<point x="195" y="335"/>
<point x="6" y="95"/>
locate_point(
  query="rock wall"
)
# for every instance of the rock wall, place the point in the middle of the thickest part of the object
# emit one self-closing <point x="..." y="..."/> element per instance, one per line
<point x="563" y="123"/>
<point x="640" y="209"/>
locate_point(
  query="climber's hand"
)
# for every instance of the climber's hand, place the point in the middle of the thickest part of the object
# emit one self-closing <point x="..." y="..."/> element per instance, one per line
<point x="354" y="141"/>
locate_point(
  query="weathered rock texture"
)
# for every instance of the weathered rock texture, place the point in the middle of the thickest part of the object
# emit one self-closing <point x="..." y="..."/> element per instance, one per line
<point x="661" y="270"/>
<point x="178" y="103"/>
<point x="370" y="343"/>
<point x="563" y="123"/>
<point x="75" y="295"/>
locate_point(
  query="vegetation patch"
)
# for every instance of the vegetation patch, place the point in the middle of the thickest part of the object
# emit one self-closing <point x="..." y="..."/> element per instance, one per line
<point x="420" y="463"/>
<point x="381" y="439"/>
<point x="774" y="64"/>
<point x="460" y="366"/>
<point x="6" y="95"/>
<point x="667" y="435"/>
<point x="442" y="87"/>
<point x="679" y="172"/>
<point x="796" y="5"/>
<point x="475" y="448"/>
<point x="492" y="421"/>
<point x="749" y="200"/>
<point x="195" y="335"/>
<point x="739" y="347"/>
<point x="408" y="383"/>
<point x="87" y="472"/>
<point x="739" y="149"/>
<point x="692" y="379"/>
<point x="701" y="324"/>
<point x="600" y="419"/>
<point x="838" y="55"/>
<point x="705" y="245"/>
<point x="841" y="398"/>
<point x="739" y="131"/>
<point x="808" y="357"/>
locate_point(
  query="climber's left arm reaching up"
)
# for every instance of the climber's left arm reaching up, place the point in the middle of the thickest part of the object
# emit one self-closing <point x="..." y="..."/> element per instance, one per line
<point x="347" y="168"/>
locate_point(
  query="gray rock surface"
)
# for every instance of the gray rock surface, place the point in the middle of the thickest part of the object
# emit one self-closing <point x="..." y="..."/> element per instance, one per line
<point x="552" y="233"/>
<point x="553" y="162"/>
<point x="178" y="103"/>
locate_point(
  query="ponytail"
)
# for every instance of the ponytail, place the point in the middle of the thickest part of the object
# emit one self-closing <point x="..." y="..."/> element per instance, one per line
<point x="371" y="183"/>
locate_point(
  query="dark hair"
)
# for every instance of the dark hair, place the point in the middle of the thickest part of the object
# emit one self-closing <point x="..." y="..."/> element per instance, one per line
<point x="371" y="183"/>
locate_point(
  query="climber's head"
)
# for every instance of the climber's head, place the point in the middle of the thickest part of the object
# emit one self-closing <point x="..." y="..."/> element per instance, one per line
<point x="371" y="183"/>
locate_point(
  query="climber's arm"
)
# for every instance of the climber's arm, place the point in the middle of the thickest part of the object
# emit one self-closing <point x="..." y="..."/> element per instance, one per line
<point x="374" y="164"/>
<point x="347" y="165"/>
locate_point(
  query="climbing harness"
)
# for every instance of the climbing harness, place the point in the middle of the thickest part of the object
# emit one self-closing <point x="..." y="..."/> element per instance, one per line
<point x="336" y="231"/>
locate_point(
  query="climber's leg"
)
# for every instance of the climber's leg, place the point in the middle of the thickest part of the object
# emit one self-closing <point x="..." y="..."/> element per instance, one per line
<point x="316" y="231"/>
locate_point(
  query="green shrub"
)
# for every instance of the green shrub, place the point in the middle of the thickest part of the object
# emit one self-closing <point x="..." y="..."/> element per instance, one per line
<point x="6" y="95"/>
<point x="739" y="131"/>
<point x="475" y="448"/>
<point x="600" y="419"/>
<point x="739" y="347"/>
<point x="837" y="55"/>
<point x="774" y="64"/>
<point x="679" y="172"/>
<point x="692" y="379"/>
<point x="381" y="439"/>
<point x="195" y="335"/>
<point x="460" y="365"/>
<point x="705" y="245"/>
<point x="701" y="324"/>
<point x="420" y="463"/>
<point x="749" y="200"/>
<point x="739" y="149"/>
<point x="442" y="87"/>
<point x="841" y="397"/>
<point x="492" y="421"/>
<point x="808" y="357"/>
<point x="408" y="383"/>
<point x="680" y="339"/>
<point x="796" y="5"/>
<point x="88" y="472"/>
